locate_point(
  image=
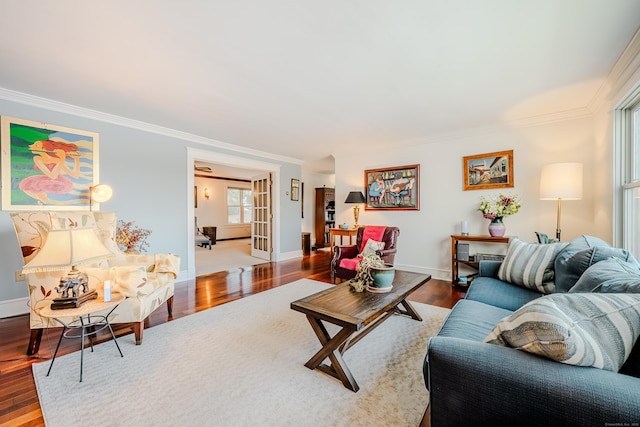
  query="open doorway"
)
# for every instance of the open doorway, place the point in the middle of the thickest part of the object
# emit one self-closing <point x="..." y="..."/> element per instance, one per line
<point x="233" y="167"/>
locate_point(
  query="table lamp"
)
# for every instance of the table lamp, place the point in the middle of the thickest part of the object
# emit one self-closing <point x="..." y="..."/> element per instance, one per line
<point x="356" y="197"/>
<point x="561" y="181"/>
<point x="64" y="249"/>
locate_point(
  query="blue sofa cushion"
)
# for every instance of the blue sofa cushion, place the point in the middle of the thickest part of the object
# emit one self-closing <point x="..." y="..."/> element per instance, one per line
<point x="530" y="265"/>
<point x="597" y="330"/>
<point x="500" y="294"/>
<point x="565" y="274"/>
<point x="472" y="320"/>
<point x="610" y="276"/>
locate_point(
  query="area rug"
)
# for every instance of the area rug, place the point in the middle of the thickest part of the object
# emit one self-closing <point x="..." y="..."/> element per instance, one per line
<point x="242" y="364"/>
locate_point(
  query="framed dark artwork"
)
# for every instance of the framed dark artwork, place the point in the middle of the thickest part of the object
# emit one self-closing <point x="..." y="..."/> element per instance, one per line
<point x="396" y="188"/>
<point x="295" y="189"/>
<point x="46" y="166"/>
<point x="486" y="171"/>
<point x="302" y="199"/>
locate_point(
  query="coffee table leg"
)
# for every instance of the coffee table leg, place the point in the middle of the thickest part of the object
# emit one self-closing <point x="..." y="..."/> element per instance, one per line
<point x="330" y="349"/>
<point x="408" y="310"/>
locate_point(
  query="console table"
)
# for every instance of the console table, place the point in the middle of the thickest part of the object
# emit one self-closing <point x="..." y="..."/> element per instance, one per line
<point x="455" y="262"/>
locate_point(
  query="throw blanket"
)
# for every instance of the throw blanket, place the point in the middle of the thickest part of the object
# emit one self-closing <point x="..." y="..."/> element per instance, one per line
<point x="371" y="232"/>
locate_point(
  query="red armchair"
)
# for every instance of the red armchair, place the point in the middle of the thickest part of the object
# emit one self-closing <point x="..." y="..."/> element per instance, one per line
<point x="390" y="239"/>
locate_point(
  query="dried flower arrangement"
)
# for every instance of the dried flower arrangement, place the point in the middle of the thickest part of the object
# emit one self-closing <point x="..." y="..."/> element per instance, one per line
<point x="131" y="238"/>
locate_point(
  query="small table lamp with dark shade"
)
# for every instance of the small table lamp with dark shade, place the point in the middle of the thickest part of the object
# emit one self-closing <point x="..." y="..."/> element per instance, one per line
<point x="356" y="197"/>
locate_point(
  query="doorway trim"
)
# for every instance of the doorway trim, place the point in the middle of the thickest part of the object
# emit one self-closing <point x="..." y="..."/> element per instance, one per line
<point x="193" y="155"/>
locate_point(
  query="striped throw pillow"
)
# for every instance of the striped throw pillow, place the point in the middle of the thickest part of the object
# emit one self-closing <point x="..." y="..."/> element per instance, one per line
<point x="530" y="265"/>
<point x="597" y="330"/>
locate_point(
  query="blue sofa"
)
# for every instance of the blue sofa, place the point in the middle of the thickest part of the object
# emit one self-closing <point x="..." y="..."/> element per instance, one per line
<point x="476" y="383"/>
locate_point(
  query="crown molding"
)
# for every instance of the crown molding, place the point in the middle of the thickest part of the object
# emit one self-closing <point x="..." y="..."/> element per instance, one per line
<point x="618" y="79"/>
<point x="61" y="107"/>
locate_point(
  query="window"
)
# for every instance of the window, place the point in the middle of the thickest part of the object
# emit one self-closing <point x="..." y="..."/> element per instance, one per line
<point x="627" y="157"/>
<point x="239" y="205"/>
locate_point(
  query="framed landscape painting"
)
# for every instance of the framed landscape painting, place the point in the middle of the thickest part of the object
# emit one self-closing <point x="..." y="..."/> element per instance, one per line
<point x="490" y="170"/>
<point x="396" y="188"/>
<point x="46" y="166"/>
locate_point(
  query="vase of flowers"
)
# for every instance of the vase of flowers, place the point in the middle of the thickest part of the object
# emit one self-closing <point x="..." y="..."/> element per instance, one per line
<point x="131" y="238"/>
<point x="496" y="209"/>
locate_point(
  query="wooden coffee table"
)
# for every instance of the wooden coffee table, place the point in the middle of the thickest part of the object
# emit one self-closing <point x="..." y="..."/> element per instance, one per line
<point x="358" y="313"/>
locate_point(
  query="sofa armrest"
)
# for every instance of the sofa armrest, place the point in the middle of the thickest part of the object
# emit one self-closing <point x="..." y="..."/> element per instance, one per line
<point x="489" y="268"/>
<point x="476" y="383"/>
<point x="157" y="263"/>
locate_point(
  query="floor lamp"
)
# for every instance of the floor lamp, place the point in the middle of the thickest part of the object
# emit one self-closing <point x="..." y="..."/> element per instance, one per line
<point x="561" y="181"/>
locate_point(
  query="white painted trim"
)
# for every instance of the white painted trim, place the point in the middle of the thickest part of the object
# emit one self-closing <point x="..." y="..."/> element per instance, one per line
<point x="194" y="154"/>
<point x="49" y="104"/>
<point x="14" y="307"/>
<point x="436" y="273"/>
<point x="285" y="256"/>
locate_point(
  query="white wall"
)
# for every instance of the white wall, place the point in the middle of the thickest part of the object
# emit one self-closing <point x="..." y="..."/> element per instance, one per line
<point x="213" y="211"/>
<point x="424" y="242"/>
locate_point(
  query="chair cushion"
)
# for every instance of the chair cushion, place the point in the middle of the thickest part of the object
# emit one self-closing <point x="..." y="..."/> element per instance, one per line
<point x="597" y="330"/>
<point x="350" y="263"/>
<point x="530" y="265"/>
<point x="371" y="247"/>
<point x="612" y="275"/>
<point x="131" y="281"/>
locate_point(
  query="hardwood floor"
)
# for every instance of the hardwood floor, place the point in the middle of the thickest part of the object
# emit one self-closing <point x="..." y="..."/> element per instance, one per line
<point x="19" y="404"/>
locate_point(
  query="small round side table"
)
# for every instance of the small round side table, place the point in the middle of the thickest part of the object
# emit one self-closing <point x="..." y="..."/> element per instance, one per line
<point x="86" y="324"/>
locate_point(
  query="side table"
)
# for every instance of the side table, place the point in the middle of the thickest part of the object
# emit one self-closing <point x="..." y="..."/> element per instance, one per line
<point x="455" y="262"/>
<point x="333" y="232"/>
<point x="87" y="324"/>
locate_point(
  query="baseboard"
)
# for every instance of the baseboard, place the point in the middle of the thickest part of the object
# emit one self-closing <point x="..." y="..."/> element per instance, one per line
<point x="435" y="273"/>
<point x="14" y="307"/>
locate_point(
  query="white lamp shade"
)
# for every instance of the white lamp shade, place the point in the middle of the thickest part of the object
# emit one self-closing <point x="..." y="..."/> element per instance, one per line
<point x="66" y="248"/>
<point x="561" y="181"/>
<point x="101" y="193"/>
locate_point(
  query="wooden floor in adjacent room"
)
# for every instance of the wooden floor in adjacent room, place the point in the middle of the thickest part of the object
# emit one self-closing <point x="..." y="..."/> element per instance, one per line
<point x="19" y="404"/>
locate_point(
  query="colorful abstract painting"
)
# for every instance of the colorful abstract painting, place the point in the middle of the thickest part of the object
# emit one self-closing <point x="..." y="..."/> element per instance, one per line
<point x="46" y="166"/>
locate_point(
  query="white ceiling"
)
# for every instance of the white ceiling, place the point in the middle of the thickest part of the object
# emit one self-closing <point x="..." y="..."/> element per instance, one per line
<point x="303" y="78"/>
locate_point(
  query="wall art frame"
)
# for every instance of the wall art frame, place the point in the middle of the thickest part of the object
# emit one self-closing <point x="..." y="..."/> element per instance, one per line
<point x="295" y="189"/>
<point x="487" y="171"/>
<point x="394" y="188"/>
<point x="47" y="166"/>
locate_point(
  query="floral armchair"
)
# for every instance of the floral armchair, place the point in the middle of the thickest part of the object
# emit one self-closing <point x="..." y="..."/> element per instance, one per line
<point x="146" y="280"/>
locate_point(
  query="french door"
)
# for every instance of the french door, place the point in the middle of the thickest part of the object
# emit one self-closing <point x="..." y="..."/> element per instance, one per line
<point x="262" y="216"/>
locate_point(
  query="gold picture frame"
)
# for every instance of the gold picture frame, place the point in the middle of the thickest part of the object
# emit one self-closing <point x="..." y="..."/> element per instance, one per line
<point x="489" y="170"/>
<point x="396" y="188"/>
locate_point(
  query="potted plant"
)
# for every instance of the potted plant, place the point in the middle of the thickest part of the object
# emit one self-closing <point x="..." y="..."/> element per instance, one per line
<point x="373" y="274"/>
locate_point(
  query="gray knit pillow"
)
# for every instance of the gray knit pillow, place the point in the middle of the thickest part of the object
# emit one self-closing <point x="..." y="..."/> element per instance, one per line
<point x="530" y="265"/>
<point x="596" y="330"/>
